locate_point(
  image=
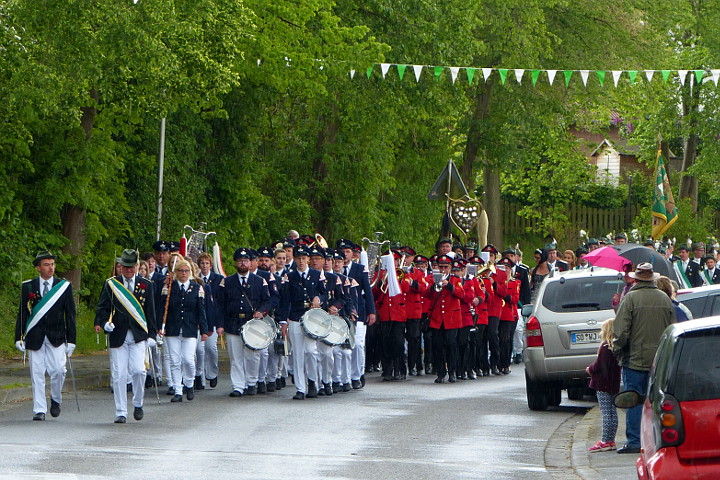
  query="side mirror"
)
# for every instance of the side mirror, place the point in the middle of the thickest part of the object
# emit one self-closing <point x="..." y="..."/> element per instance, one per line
<point x="628" y="399"/>
<point x="526" y="310"/>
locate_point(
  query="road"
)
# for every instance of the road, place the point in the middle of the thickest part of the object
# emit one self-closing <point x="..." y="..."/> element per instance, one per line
<point x="397" y="430"/>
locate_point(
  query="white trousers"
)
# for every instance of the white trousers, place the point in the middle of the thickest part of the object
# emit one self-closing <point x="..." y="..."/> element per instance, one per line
<point x="274" y="364"/>
<point x="518" y="337"/>
<point x="51" y="360"/>
<point x="251" y="359"/>
<point x="157" y="361"/>
<point x="341" y="365"/>
<point x="166" y="362"/>
<point x="128" y="359"/>
<point x="304" y="349"/>
<point x="200" y="360"/>
<point x="182" y="361"/>
<point x="325" y="361"/>
<point x="263" y="364"/>
<point x="211" y="356"/>
<point x="236" y="352"/>
<point x="358" y="353"/>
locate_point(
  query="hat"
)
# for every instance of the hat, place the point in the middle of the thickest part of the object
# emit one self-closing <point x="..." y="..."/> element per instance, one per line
<point x="550" y="246"/>
<point x="698" y="246"/>
<point x="287" y="243"/>
<point x="456" y="245"/>
<point x="443" y="240"/>
<point x="317" y="252"/>
<point x="649" y="243"/>
<point x="459" y="264"/>
<point x="174" y="247"/>
<point x="339" y="255"/>
<point x="475" y="260"/>
<point x="300" y="250"/>
<point x="329" y="252"/>
<point x="581" y="251"/>
<point x="443" y="259"/>
<point x="621" y="235"/>
<point x="161" y="246"/>
<point x="409" y="251"/>
<point x="42" y="255"/>
<point x="420" y="259"/>
<point x="344" y="243"/>
<point x="265" y="252"/>
<point x="129" y="258"/>
<point x="396" y="255"/>
<point x="305" y="240"/>
<point x="242" y="252"/>
<point x="593" y="241"/>
<point x="683" y="247"/>
<point x="490" y="248"/>
<point x="253" y="253"/>
<point x="506" y="261"/>
<point x="644" y="272"/>
<point x="471" y="246"/>
<point x="510" y="251"/>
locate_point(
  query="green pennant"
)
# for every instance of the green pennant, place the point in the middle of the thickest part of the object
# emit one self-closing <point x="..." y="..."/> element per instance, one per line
<point x="438" y="71"/>
<point x="401" y="71"/>
<point x="665" y="74"/>
<point x="503" y="74"/>
<point x="699" y="76"/>
<point x="535" y="75"/>
<point x="369" y="72"/>
<point x="601" y="77"/>
<point x="632" y="74"/>
<point x="470" y="74"/>
<point x="567" y="74"/>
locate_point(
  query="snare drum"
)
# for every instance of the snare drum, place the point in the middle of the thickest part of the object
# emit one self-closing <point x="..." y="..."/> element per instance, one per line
<point x="338" y="332"/>
<point x="316" y="323"/>
<point x="350" y="342"/>
<point x="257" y="334"/>
<point x="269" y="320"/>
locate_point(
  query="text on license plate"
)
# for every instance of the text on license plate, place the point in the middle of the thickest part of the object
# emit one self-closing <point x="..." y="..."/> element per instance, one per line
<point x="585" y="337"/>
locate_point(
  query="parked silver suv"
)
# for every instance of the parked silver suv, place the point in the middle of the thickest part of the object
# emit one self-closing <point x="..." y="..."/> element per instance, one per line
<point x="563" y="333"/>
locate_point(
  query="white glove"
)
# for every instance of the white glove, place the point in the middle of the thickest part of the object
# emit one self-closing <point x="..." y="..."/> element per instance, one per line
<point x="151" y="342"/>
<point x="69" y="349"/>
<point x="20" y="345"/>
<point x="109" y="327"/>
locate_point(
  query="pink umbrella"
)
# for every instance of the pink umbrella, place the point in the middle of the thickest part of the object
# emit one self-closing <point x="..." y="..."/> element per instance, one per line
<point x="607" y="257"/>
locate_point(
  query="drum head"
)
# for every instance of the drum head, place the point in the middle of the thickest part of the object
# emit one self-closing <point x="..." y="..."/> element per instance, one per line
<point x="338" y="331"/>
<point x="269" y="320"/>
<point x="316" y="323"/>
<point x="257" y="334"/>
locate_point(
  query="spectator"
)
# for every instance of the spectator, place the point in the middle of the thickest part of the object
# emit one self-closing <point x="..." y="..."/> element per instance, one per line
<point x="570" y="259"/>
<point x="682" y="313"/>
<point x="605" y="379"/>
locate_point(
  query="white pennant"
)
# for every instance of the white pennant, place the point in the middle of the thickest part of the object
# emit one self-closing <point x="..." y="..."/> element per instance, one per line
<point x="551" y="76"/>
<point x="352" y="74"/>
<point x="258" y="62"/>
<point x="715" y="76"/>
<point x="682" y="74"/>
<point x="616" y="76"/>
<point x="584" y="75"/>
<point x="384" y="67"/>
<point x="649" y="75"/>
<point x="418" y="71"/>
<point x="519" y="74"/>
<point x="454" y="73"/>
<point x="486" y="73"/>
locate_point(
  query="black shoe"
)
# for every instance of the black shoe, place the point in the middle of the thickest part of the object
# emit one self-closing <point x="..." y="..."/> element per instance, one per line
<point x="419" y="372"/>
<point x="321" y="392"/>
<point x="486" y="373"/>
<point x="54" y="408"/>
<point x="298" y="396"/>
<point x="236" y="393"/>
<point x="628" y="449"/>
<point x="517" y="359"/>
<point x="506" y="371"/>
<point x="39" y="417"/>
<point x="346" y="387"/>
<point x="138" y="413"/>
<point x="149" y="382"/>
<point x="472" y="376"/>
<point x="495" y="371"/>
<point x="292" y="378"/>
<point x="336" y="387"/>
<point x="283" y="383"/>
<point x="251" y="390"/>
<point x="171" y="391"/>
<point x="213" y="382"/>
<point x="271" y="387"/>
<point x="262" y="387"/>
<point x="356" y="384"/>
<point x="190" y="392"/>
<point x="463" y="377"/>
<point x="198" y="383"/>
<point x="278" y="384"/>
<point x="387" y="378"/>
<point x="176" y="398"/>
<point x="328" y="389"/>
<point x="440" y="379"/>
<point x="120" y="419"/>
<point x="376" y="368"/>
<point x="452" y="378"/>
<point x="362" y="380"/>
<point x="312" y="390"/>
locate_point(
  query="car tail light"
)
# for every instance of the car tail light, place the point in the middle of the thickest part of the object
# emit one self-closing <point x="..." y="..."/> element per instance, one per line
<point x="533" y="332"/>
<point x="669" y="423"/>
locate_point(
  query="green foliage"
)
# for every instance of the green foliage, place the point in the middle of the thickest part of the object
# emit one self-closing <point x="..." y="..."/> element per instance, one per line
<point x="697" y="226"/>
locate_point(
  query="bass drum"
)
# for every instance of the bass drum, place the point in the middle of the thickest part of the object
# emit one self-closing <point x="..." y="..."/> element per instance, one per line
<point x="316" y="323"/>
<point x="257" y="334"/>
<point x="338" y="332"/>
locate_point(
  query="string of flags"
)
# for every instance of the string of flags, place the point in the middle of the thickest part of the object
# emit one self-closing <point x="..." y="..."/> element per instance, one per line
<point x="535" y="75"/>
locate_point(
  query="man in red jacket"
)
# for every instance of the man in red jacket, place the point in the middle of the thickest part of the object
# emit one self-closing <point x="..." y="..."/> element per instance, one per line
<point x="445" y="320"/>
<point x="414" y="312"/>
<point x="508" y="316"/>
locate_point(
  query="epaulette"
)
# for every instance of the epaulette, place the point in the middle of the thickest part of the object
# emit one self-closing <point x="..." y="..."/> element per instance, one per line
<point x="28" y="281"/>
<point x="338" y="281"/>
<point x="201" y="291"/>
<point x="322" y="276"/>
<point x="222" y="282"/>
<point x="355" y="283"/>
<point x="265" y="284"/>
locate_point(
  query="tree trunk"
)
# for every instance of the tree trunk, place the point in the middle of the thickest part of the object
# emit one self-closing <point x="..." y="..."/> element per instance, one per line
<point x="493" y="205"/>
<point x="321" y="198"/>
<point x="688" y="183"/>
<point x="475" y="135"/>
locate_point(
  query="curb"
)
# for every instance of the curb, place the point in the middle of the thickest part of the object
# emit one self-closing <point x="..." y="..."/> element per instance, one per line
<point x="580" y="441"/>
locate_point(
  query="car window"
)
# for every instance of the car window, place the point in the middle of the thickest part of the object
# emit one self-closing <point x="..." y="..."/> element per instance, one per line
<point x="695" y="305"/>
<point x="715" y="309"/>
<point x="697" y="376"/>
<point x="658" y="371"/>
<point x="585" y="294"/>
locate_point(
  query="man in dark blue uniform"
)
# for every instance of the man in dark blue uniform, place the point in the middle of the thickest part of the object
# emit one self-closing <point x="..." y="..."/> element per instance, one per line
<point x="212" y="280"/>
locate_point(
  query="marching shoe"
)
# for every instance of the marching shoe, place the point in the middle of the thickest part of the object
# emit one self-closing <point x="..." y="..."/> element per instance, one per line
<point x="321" y="391"/>
<point x="346" y="387"/>
<point x="429" y="369"/>
<point x="298" y="396"/>
<point x="495" y="371"/>
<point x="236" y="393"/>
<point x="312" y="390"/>
<point x="452" y="378"/>
<point x="149" y="382"/>
<point x="120" y="419"/>
<point x="486" y="373"/>
<point x="198" y="383"/>
<point x="39" y="417"/>
<point x="362" y="380"/>
<point x="440" y="379"/>
<point x="463" y="376"/>
<point x="282" y="382"/>
<point x="262" y="387"/>
<point x="171" y="391"/>
<point x="251" y="390"/>
<point x="336" y="387"/>
<point x="190" y="392"/>
<point x="176" y="398"/>
<point x="213" y="382"/>
<point x="356" y="384"/>
<point x="270" y="387"/>
<point x="138" y="413"/>
<point x="412" y="372"/>
<point x="278" y="384"/>
<point x="505" y="371"/>
<point x="54" y="408"/>
<point x="387" y="378"/>
<point x="328" y="389"/>
<point x="472" y="376"/>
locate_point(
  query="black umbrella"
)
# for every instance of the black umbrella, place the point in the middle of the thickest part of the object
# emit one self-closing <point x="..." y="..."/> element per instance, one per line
<point x="638" y="254"/>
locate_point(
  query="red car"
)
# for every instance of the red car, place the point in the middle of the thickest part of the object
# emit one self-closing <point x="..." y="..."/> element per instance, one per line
<point x="680" y="430"/>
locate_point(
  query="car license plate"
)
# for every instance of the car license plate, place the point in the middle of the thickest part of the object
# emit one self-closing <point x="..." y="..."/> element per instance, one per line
<point x="585" y="337"/>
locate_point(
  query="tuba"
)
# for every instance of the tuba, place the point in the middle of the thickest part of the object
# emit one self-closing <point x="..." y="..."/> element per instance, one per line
<point x="373" y="255"/>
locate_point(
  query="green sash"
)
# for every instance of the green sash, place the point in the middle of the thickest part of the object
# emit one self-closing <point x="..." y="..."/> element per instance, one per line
<point x="707" y="279"/>
<point x="685" y="283"/>
<point x="128" y="301"/>
<point x="45" y="304"/>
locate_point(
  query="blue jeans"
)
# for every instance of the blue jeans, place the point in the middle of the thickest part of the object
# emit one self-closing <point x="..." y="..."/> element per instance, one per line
<point x="634" y="380"/>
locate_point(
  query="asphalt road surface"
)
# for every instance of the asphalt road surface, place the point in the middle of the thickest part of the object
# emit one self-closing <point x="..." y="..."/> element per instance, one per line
<point x="389" y="430"/>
